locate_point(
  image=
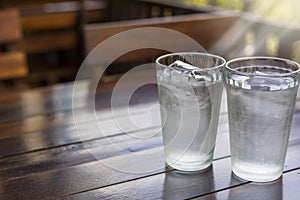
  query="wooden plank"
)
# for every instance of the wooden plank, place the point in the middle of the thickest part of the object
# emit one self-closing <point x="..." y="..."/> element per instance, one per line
<point x="178" y="5"/>
<point x="13" y="112"/>
<point x="72" y="179"/>
<point x="13" y="65"/>
<point x="49" y="42"/>
<point x="37" y="112"/>
<point x="47" y="101"/>
<point x="204" y="27"/>
<point x="43" y="101"/>
<point x="173" y="185"/>
<point x="68" y="10"/>
<point x="22" y="143"/>
<point x="10" y="30"/>
<point x="17" y="3"/>
<point x="206" y="30"/>
<point x="54" y="112"/>
<point x="49" y="21"/>
<point x="48" y="92"/>
<point x="65" y="156"/>
<point x="170" y="185"/>
<point x="48" y="7"/>
<point x="95" y="11"/>
<point x="285" y="188"/>
<point x="64" y="118"/>
<point x="60" y="91"/>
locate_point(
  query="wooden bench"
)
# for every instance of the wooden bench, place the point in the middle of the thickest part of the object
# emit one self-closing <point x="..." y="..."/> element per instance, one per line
<point x="206" y="29"/>
<point x="12" y="61"/>
<point x="54" y="25"/>
<point x="52" y="36"/>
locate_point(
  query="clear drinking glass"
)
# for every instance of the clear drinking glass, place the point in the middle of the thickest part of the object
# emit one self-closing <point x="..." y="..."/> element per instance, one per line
<point x="190" y="89"/>
<point x="261" y="94"/>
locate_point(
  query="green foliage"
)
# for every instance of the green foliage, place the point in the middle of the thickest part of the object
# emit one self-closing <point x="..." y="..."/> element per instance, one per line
<point x="232" y="4"/>
<point x="197" y="2"/>
<point x="279" y="10"/>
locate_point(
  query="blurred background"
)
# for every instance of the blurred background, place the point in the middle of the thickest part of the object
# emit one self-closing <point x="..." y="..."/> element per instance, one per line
<point x="43" y="42"/>
<point x="277" y="10"/>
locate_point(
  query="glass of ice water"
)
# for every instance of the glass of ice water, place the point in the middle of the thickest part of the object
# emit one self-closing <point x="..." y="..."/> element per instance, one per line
<point x="190" y="89"/>
<point x="261" y="94"/>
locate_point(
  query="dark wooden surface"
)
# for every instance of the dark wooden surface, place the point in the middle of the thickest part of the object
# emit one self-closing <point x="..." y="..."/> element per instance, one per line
<point x="42" y="156"/>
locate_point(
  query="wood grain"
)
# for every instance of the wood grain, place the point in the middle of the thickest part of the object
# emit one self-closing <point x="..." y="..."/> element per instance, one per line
<point x="49" y="41"/>
<point x="173" y="185"/>
<point x="81" y="177"/>
<point x="285" y="188"/>
<point x="49" y="21"/>
<point x="10" y="30"/>
<point x="206" y="28"/>
<point x="13" y="65"/>
<point x="69" y="135"/>
<point x="91" y="175"/>
<point x="77" y="153"/>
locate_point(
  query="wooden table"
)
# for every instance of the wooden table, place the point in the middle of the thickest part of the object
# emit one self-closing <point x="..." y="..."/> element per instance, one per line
<point x="42" y="156"/>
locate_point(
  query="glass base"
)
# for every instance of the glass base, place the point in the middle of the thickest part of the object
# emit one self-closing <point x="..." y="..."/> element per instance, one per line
<point x="189" y="167"/>
<point x="256" y="177"/>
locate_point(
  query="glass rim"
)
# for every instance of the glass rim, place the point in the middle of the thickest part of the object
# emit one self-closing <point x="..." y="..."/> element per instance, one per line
<point x="248" y="58"/>
<point x="193" y="53"/>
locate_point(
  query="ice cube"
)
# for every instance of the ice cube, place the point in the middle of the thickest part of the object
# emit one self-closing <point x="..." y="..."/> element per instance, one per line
<point x="181" y="66"/>
<point x="180" y="71"/>
<point x="167" y="73"/>
<point x="179" y="76"/>
<point x="263" y="83"/>
<point x="202" y="75"/>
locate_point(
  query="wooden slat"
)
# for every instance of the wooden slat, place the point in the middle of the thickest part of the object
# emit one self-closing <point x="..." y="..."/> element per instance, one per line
<point x="18" y="3"/>
<point x="68" y="10"/>
<point x="49" y="41"/>
<point x="42" y="101"/>
<point x="48" y="7"/>
<point x="38" y="109"/>
<point x="285" y="188"/>
<point x="49" y="21"/>
<point x="206" y="30"/>
<point x="63" y="118"/>
<point x="173" y="185"/>
<point x="68" y="134"/>
<point x="71" y="179"/>
<point x="15" y="112"/>
<point x="13" y="65"/>
<point x="41" y="113"/>
<point x="59" y="98"/>
<point x="48" y="92"/>
<point x="10" y="30"/>
<point x="95" y="11"/>
<point x="65" y="156"/>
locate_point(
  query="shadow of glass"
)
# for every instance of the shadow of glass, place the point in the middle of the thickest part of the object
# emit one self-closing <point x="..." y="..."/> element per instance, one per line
<point x="182" y="185"/>
<point x="263" y="191"/>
